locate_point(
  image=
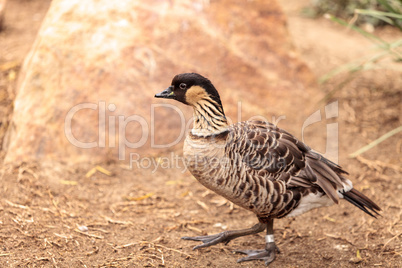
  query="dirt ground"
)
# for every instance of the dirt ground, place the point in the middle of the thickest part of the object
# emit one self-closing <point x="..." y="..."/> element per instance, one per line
<point x="55" y="215"/>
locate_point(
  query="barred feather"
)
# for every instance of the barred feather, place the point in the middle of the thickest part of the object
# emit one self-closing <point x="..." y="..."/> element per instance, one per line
<point x="257" y="165"/>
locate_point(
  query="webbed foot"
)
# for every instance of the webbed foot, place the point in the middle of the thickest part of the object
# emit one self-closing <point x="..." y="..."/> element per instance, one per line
<point x="226" y="236"/>
<point x="268" y="254"/>
<point x="210" y="240"/>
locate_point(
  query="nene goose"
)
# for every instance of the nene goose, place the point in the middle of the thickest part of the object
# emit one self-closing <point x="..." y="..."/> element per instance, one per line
<point x="257" y="166"/>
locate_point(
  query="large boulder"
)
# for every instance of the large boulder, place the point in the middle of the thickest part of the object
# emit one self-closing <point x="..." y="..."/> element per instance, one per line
<point x="2" y="12"/>
<point x="86" y="89"/>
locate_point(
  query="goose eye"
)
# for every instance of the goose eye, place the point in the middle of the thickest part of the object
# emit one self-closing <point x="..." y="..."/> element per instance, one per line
<point x="183" y="86"/>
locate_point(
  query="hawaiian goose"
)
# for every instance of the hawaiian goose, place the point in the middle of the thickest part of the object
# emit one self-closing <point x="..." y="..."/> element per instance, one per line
<point x="257" y="166"/>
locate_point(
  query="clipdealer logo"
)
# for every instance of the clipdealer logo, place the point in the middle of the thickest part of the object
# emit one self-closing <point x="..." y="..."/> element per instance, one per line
<point x="116" y="125"/>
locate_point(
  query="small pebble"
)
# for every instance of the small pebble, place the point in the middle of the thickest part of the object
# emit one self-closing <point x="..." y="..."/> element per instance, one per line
<point x="355" y="260"/>
<point x="224" y="227"/>
<point x="83" y="228"/>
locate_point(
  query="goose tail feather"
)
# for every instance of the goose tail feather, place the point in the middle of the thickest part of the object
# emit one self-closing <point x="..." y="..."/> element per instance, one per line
<point x="361" y="201"/>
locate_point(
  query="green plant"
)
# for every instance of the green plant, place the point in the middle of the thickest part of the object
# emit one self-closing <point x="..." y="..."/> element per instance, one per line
<point x="392" y="16"/>
<point x="346" y="9"/>
<point x="387" y="49"/>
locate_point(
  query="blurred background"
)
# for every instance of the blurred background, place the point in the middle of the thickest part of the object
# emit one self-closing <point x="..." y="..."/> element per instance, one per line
<point x="91" y="171"/>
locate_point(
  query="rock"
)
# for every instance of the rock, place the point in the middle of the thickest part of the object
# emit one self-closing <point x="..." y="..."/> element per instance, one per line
<point x="86" y="89"/>
<point x="2" y="11"/>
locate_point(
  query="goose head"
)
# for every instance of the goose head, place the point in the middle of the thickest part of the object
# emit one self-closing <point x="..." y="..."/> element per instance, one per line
<point x="191" y="89"/>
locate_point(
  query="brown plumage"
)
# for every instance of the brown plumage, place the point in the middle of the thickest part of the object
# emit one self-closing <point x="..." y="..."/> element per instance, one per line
<point x="256" y="165"/>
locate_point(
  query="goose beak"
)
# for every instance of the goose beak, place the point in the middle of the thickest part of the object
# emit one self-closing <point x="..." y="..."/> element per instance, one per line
<point x="167" y="93"/>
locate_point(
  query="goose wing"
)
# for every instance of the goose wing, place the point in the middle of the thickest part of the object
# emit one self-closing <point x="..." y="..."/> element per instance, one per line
<point x="278" y="155"/>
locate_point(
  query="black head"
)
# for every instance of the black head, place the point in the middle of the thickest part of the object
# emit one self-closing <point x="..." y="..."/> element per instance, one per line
<point x="190" y="88"/>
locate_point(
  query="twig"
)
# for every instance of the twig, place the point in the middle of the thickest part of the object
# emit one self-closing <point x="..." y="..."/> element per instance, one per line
<point x="378" y="165"/>
<point x="24" y="233"/>
<point x="383" y="248"/>
<point x="100" y="230"/>
<point x="100" y="169"/>
<point x="126" y="245"/>
<point x="154" y="245"/>
<point x="172" y="249"/>
<point x="339" y="237"/>
<point x="16" y="205"/>
<point x="203" y="205"/>
<point x="63" y="236"/>
<point x="96" y="250"/>
<point x="54" y="202"/>
<point x="110" y="220"/>
<point x="376" y="142"/>
<point x="90" y="235"/>
<point x="195" y="229"/>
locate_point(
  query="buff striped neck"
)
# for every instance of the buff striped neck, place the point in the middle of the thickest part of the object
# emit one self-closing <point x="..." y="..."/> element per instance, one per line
<point x="209" y="118"/>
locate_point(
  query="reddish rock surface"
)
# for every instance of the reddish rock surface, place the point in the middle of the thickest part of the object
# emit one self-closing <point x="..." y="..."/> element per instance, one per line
<point x="98" y="64"/>
<point x="2" y="11"/>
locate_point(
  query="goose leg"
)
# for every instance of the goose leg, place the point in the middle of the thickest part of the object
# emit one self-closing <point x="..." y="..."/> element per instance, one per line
<point x="267" y="254"/>
<point x="226" y="236"/>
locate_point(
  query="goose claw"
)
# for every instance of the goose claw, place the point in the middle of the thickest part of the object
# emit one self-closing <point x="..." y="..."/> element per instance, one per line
<point x="268" y="254"/>
<point x="210" y="240"/>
